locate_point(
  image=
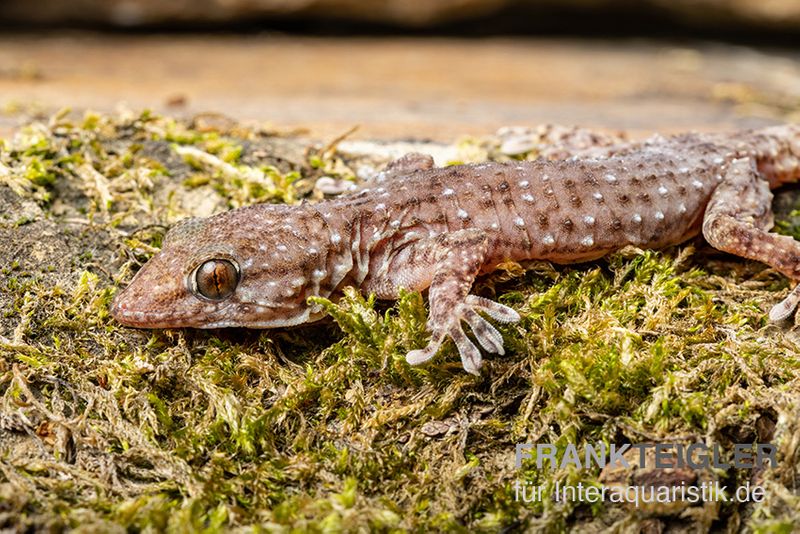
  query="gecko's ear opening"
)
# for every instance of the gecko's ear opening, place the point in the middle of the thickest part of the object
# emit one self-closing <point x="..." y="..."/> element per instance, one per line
<point x="215" y="279"/>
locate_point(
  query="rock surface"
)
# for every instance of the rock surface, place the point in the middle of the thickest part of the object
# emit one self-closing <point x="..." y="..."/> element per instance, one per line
<point x="405" y="88"/>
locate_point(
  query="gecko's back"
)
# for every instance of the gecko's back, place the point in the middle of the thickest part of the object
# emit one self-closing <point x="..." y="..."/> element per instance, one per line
<point x="564" y="211"/>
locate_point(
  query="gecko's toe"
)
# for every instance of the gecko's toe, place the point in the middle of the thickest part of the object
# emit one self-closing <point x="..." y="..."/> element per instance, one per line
<point x="495" y="310"/>
<point x="786" y="307"/>
<point x="471" y="357"/>
<point x="420" y="356"/>
<point x="486" y="334"/>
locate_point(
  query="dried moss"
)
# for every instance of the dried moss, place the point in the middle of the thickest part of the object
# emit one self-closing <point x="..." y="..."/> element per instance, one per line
<point x="325" y="428"/>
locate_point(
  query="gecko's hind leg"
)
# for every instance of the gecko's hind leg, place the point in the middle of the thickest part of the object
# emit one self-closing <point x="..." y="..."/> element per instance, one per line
<point x="736" y="221"/>
<point x="457" y="258"/>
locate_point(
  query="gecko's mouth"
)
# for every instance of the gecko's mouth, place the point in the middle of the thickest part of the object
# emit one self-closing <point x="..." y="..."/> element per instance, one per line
<point x="141" y="319"/>
<point x="211" y="316"/>
<point x="133" y="312"/>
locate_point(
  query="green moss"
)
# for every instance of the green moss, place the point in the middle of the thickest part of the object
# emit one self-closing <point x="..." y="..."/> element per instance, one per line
<point x="326" y="428"/>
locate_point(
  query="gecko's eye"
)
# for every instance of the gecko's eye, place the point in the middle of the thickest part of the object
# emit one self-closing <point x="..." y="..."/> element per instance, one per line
<point x="215" y="279"/>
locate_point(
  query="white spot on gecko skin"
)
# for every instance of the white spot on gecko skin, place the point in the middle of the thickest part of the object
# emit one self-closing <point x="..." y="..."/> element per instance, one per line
<point x="545" y="178"/>
<point x="548" y="191"/>
<point x="682" y="208"/>
<point x="381" y="190"/>
<point x="262" y="248"/>
<point x="282" y="248"/>
<point x="697" y="184"/>
<point x="659" y="216"/>
<point x="598" y="196"/>
<point x="548" y="239"/>
<point x="610" y="178"/>
<point x="312" y="250"/>
<point x="519" y="221"/>
<point x="336" y="239"/>
<point x="527" y="197"/>
<point x="395" y="224"/>
<point x="327" y="215"/>
<point x="588" y="220"/>
<point x="719" y="177"/>
<point x="288" y="292"/>
<point x="524" y="183"/>
<point x="662" y="190"/>
<point x="684" y="170"/>
<point x="380" y="206"/>
<point x="384" y="195"/>
<point x="297" y="282"/>
<point x="587" y="241"/>
<point x="447" y="192"/>
<point x="495" y="226"/>
<point x="247" y="263"/>
<point x="272" y="283"/>
<point x="636" y="218"/>
<point x="718" y="161"/>
<point x="318" y="274"/>
<point x="463" y="214"/>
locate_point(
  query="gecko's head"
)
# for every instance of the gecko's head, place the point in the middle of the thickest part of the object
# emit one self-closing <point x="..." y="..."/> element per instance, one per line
<point x="252" y="267"/>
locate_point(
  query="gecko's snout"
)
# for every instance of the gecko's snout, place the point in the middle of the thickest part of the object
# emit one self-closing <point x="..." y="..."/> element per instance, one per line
<point x="153" y="299"/>
<point x="122" y="312"/>
<point x="125" y="310"/>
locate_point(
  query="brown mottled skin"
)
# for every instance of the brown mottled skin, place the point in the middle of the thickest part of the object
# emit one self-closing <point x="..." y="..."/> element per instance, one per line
<point x="423" y="227"/>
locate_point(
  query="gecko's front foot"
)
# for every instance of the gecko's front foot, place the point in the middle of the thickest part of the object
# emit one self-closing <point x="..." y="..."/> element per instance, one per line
<point x="486" y="334"/>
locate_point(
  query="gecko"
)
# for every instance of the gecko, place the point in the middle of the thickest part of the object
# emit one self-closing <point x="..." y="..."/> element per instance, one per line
<point x="437" y="229"/>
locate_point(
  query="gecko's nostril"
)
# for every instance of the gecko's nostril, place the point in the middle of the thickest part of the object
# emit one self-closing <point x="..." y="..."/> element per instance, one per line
<point x="118" y="307"/>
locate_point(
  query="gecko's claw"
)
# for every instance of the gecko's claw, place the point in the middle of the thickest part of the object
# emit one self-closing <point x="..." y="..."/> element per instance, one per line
<point x="786" y="307"/>
<point x="486" y="334"/>
<point x="495" y="310"/>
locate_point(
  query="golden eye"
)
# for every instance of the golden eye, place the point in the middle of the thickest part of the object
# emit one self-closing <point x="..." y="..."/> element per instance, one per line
<point x="216" y="279"/>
